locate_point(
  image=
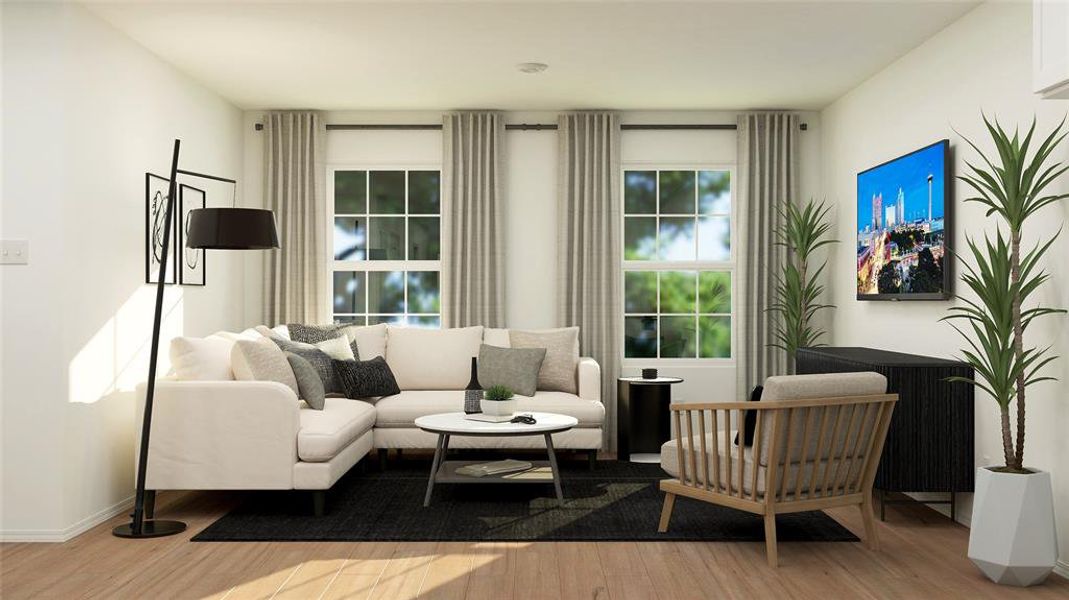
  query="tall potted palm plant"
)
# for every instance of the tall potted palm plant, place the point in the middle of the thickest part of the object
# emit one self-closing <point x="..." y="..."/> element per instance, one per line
<point x="1012" y="539"/>
<point x="804" y="230"/>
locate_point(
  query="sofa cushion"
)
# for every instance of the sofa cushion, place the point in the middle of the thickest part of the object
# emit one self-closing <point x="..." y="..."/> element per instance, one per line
<point x="562" y="356"/>
<point x="403" y="409"/>
<point x="496" y="337"/>
<point x="325" y="433"/>
<point x="432" y="359"/>
<point x="201" y="359"/>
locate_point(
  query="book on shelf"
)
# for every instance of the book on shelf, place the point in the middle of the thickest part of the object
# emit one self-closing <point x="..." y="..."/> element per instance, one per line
<point x="497" y="467"/>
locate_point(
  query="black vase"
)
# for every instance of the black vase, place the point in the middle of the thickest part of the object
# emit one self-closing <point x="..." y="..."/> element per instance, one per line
<point x="474" y="392"/>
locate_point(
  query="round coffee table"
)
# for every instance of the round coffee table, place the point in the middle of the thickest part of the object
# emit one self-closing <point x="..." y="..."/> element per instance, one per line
<point x="450" y="424"/>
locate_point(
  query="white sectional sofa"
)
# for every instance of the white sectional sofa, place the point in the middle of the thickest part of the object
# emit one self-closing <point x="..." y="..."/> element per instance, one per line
<point x="222" y="434"/>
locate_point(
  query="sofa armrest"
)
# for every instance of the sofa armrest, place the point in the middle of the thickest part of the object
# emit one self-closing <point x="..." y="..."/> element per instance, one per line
<point x="221" y="435"/>
<point x="589" y="374"/>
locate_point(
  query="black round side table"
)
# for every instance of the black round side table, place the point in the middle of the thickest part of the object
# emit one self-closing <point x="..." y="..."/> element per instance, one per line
<point x="642" y="420"/>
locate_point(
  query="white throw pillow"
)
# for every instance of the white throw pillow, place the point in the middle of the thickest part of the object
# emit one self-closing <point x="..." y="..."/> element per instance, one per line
<point x="337" y="348"/>
<point x="248" y="334"/>
<point x="496" y="337"/>
<point x="201" y="359"/>
<point x="370" y="341"/>
<point x="262" y="360"/>
<point x="431" y="359"/>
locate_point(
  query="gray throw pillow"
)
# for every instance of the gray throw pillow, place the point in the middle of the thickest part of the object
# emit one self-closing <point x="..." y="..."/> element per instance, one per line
<point x="319" y="360"/>
<point x="514" y="368"/>
<point x="309" y="384"/>
<point x="562" y="356"/>
<point x="366" y="378"/>
<point x="313" y="334"/>
<point x="260" y="360"/>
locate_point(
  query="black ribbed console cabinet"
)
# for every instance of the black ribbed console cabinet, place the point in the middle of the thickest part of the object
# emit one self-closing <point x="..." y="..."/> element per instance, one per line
<point x="930" y="442"/>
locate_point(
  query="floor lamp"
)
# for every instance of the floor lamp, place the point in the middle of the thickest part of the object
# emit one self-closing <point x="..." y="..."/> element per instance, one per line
<point x="209" y="229"/>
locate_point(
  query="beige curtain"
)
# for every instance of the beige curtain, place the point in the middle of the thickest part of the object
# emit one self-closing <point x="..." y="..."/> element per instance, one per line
<point x="473" y="260"/>
<point x="293" y="189"/>
<point x="767" y="180"/>
<point x="589" y="252"/>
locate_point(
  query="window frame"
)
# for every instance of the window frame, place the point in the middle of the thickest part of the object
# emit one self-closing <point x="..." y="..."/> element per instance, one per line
<point x="369" y="266"/>
<point x="697" y="265"/>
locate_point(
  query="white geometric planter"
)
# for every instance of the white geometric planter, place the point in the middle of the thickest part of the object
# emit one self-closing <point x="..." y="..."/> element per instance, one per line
<point x="499" y="408"/>
<point x="1012" y="539"/>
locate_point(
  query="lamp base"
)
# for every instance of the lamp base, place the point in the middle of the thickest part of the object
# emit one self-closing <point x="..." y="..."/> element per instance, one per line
<point x="150" y="529"/>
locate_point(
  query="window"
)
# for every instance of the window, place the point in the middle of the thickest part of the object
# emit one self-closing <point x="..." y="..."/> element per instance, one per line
<point x="678" y="263"/>
<point x="386" y="246"/>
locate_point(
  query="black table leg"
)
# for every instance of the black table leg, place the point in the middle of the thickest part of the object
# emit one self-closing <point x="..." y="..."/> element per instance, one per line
<point x="553" y="468"/>
<point x="439" y="456"/>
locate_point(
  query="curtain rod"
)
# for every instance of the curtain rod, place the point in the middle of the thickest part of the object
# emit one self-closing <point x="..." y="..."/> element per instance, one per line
<point x="524" y="127"/>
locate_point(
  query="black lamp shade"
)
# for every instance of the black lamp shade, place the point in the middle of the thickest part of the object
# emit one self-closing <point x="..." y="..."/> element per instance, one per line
<point x="231" y="229"/>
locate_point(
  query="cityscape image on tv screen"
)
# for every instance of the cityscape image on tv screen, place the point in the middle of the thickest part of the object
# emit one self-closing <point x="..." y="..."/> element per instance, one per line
<point x="900" y="225"/>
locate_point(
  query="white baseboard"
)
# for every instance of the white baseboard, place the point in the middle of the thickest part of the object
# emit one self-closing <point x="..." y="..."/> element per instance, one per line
<point x="1062" y="568"/>
<point x="69" y="533"/>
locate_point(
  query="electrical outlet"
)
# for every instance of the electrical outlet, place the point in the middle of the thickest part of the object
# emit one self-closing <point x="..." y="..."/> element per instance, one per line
<point x="14" y="252"/>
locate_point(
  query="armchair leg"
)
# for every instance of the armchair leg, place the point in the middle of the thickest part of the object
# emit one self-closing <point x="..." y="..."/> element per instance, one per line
<point x="319" y="502"/>
<point x="770" y="539"/>
<point x="872" y="540"/>
<point x="666" y="512"/>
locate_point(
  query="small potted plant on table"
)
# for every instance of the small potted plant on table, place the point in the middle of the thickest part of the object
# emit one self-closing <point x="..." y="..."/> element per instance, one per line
<point x="498" y="401"/>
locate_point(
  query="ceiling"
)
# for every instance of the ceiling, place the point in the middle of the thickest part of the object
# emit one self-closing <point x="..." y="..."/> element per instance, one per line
<point x="442" y="55"/>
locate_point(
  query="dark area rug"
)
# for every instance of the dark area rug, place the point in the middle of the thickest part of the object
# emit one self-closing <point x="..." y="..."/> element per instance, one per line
<point x="619" y="501"/>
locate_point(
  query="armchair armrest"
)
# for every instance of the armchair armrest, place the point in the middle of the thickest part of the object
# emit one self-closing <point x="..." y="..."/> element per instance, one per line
<point x="221" y="435"/>
<point x="589" y="374"/>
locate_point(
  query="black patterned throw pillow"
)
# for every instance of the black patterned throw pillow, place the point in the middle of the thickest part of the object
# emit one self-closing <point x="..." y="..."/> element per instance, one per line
<point x="313" y="334"/>
<point x="366" y="378"/>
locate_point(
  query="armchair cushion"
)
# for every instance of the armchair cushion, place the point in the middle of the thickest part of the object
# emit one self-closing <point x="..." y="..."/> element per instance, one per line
<point x="787" y="388"/>
<point x="670" y="463"/>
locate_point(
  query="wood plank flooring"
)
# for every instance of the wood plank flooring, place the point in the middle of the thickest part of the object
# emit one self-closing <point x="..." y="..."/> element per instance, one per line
<point x="922" y="556"/>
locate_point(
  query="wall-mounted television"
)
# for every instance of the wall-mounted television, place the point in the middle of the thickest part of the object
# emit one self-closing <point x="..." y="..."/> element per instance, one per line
<point x="904" y="227"/>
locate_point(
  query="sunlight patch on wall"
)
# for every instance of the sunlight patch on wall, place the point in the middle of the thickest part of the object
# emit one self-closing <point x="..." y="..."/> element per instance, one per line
<point x="116" y="357"/>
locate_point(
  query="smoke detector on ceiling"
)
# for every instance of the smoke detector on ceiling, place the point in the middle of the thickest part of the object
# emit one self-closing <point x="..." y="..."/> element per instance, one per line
<point x="532" y="67"/>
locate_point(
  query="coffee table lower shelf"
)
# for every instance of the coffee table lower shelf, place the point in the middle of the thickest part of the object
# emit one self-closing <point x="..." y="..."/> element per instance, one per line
<point x="445" y="471"/>
<point x="540" y="472"/>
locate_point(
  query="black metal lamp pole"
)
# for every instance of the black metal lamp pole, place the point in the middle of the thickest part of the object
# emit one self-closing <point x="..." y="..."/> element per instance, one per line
<point x="138" y="526"/>
<point x="208" y="229"/>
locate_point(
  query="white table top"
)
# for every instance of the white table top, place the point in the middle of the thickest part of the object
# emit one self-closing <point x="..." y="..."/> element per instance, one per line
<point x="654" y="381"/>
<point x="456" y="424"/>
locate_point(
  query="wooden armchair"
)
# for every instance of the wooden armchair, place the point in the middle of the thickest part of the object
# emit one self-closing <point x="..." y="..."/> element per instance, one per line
<point x="817" y="442"/>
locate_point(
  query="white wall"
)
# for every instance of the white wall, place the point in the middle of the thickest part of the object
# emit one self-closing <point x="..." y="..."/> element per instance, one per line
<point x="86" y="112"/>
<point x="531" y="199"/>
<point x="981" y="62"/>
